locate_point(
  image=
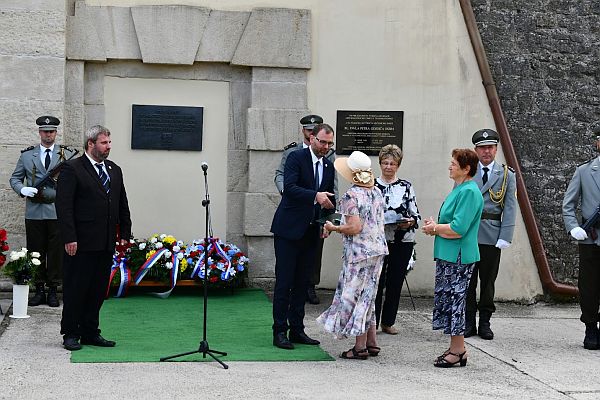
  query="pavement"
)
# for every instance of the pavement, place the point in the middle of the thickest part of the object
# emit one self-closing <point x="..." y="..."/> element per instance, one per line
<point x="537" y="354"/>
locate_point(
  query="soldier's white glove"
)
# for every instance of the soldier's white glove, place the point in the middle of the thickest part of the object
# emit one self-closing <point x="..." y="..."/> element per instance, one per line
<point x="578" y="233"/>
<point x="502" y="244"/>
<point x="28" y="191"/>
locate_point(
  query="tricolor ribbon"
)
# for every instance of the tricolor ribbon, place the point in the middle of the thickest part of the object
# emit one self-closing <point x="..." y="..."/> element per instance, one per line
<point x="119" y="265"/>
<point x="148" y="264"/>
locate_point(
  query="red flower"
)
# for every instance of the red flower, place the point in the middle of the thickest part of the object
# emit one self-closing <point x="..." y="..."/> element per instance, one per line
<point x="5" y="247"/>
<point x="213" y="279"/>
<point x="2" y="259"/>
<point x="2" y="235"/>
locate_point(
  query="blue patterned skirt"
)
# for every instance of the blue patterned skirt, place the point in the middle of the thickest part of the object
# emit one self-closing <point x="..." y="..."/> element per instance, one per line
<point x="449" y="299"/>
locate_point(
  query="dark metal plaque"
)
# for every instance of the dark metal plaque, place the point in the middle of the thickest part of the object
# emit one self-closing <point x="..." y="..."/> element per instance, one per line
<point x="166" y="127"/>
<point x="368" y="131"/>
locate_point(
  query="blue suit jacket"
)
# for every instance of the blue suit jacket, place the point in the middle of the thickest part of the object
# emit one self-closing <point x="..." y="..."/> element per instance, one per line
<point x="296" y="209"/>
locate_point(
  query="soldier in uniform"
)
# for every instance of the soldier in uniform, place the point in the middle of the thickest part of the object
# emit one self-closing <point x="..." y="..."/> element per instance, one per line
<point x="497" y="183"/>
<point x="584" y="189"/>
<point x="308" y="123"/>
<point x="40" y="215"/>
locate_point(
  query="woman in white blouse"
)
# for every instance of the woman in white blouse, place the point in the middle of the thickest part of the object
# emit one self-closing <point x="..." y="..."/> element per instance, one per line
<point x="401" y="219"/>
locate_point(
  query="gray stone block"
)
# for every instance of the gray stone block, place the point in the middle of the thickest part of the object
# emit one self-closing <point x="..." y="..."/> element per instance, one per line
<point x="26" y="78"/>
<point x="34" y="5"/>
<point x="261" y="171"/>
<point x="259" y="209"/>
<point x="221" y="36"/>
<point x="273" y="129"/>
<point x="94" y="83"/>
<point x="74" y="126"/>
<point x="239" y="98"/>
<point x="276" y="37"/>
<point x="12" y="212"/>
<point x="279" y="95"/>
<point x="260" y="74"/>
<point x="83" y="41"/>
<point x="8" y="159"/>
<point x="169" y="34"/>
<point x="32" y="32"/>
<point x="262" y="257"/>
<point x="237" y="171"/>
<point x="74" y="82"/>
<point x="94" y="115"/>
<point x="17" y="120"/>
<point x="235" y="213"/>
<point x="116" y="32"/>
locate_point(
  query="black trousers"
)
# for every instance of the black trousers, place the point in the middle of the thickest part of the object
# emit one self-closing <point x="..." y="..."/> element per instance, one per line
<point x="391" y="279"/>
<point x="589" y="283"/>
<point x="293" y="267"/>
<point x="315" y="276"/>
<point x="487" y="272"/>
<point x="85" y="280"/>
<point x="42" y="235"/>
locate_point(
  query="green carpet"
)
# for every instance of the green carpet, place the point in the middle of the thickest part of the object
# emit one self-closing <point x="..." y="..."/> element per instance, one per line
<point x="147" y="328"/>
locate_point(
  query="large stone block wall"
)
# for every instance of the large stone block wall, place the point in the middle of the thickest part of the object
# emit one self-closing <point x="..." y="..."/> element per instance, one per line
<point x="544" y="58"/>
<point x="32" y="67"/>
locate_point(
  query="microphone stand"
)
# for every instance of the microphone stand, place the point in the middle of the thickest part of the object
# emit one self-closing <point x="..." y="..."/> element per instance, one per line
<point x="204" y="349"/>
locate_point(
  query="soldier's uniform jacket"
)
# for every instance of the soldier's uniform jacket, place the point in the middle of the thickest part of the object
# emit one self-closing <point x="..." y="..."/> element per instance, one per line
<point x="29" y="171"/>
<point x="286" y="151"/>
<point x="584" y="188"/>
<point x="499" y="207"/>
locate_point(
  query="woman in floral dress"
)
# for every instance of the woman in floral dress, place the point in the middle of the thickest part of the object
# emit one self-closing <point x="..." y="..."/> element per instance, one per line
<point x="352" y="312"/>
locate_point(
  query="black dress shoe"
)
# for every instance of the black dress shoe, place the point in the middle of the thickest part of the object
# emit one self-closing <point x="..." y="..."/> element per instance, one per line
<point x="280" y="340"/>
<point x="71" y="344"/>
<point x="52" y="298"/>
<point x="485" y="332"/>
<point x="301" y="337"/>
<point x="470" y="331"/>
<point x="98" y="341"/>
<point x="311" y="296"/>
<point x="592" y="337"/>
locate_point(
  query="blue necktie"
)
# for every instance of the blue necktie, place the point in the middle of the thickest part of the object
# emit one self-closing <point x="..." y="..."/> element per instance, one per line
<point x="103" y="177"/>
<point x="317" y="175"/>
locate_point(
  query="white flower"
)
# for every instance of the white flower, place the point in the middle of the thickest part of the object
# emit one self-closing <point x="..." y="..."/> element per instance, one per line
<point x="153" y="240"/>
<point x="169" y="265"/>
<point x="35" y="254"/>
<point x="168" y="254"/>
<point x="23" y="250"/>
<point x="14" y="256"/>
<point x="179" y="243"/>
<point x="180" y="256"/>
<point x="35" y="261"/>
<point x="22" y="254"/>
<point x="158" y="245"/>
<point x="162" y="236"/>
<point x="176" y="248"/>
<point x="142" y="246"/>
<point x="131" y="241"/>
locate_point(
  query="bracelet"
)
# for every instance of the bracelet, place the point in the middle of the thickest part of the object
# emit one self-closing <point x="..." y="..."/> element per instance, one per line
<point x="435" y="229"/>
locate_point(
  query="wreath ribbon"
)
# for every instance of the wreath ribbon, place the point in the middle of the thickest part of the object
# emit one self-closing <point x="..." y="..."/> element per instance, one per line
<point x="119" y="264"/>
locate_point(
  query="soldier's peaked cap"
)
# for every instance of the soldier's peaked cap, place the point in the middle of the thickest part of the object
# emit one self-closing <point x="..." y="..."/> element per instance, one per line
<point x="485" y="137"/>
<point x="47" y="123"/>
<point x="310" y="121"/>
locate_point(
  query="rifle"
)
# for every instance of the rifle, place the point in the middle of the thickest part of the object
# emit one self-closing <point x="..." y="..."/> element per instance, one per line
<point x="590" y="224"/>
<point x="50" y="176"/>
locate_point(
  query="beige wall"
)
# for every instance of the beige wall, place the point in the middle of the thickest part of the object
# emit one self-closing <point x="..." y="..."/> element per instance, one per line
<point x="405" y="55"/>
<point x="165" y="188"/>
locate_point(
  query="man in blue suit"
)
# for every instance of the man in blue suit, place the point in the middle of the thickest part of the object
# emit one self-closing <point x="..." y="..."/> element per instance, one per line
<point x="308" y="188"/>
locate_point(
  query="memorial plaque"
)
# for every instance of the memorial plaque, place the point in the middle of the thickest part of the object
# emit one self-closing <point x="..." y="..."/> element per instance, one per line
<point x="368" y="131"/>
<point x="166" y="127"/>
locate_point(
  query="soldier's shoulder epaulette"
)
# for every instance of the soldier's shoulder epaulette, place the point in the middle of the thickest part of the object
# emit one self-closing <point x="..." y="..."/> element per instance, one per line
<point x="289" y="146"/>
<point x="27" y="149"/>
<point x="511" y="169"/>
<point x="68" y="148"/>
<point x="587" y="162"/>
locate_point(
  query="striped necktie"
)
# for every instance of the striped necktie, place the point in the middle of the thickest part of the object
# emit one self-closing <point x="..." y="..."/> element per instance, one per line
<point x="103" y="177"/>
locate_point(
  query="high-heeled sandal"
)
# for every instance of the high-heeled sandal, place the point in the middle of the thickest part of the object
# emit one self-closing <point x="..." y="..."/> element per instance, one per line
<point x="442" y="362"/>
<point x="373" y="350"/>
<point x="361" y="354"/>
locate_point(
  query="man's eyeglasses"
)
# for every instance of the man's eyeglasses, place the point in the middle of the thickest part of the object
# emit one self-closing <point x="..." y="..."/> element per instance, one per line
<point x="324" y="142"/>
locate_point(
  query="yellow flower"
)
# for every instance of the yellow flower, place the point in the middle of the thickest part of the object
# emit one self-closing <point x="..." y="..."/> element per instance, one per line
<point x="149" y="254"/>
<point x="169" y="240"/>
<point x="183" y="264"/>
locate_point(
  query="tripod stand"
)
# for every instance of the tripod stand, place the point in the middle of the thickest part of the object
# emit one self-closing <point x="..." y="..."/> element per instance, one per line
<point x="204" y="349"/>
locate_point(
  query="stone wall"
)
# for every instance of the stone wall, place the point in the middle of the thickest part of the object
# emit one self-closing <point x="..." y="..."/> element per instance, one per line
<point x="544" y="58"/>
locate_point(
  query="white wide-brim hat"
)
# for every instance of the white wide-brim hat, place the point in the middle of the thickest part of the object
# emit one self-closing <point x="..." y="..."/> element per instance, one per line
<point x="356" y="169"/>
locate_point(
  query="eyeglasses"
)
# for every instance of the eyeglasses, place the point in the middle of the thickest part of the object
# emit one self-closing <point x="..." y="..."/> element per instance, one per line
<point x="324" y="142"/>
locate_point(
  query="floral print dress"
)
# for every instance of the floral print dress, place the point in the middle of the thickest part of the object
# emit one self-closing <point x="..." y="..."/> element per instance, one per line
<point x="352" y="311"/>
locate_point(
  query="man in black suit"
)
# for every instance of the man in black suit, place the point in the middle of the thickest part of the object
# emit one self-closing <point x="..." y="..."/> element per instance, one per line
<point x="93" y="212"/>
<point x="308" y="186"/>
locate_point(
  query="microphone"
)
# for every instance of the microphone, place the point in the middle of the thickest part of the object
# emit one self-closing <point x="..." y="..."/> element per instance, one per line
<point x="204" y="166"/>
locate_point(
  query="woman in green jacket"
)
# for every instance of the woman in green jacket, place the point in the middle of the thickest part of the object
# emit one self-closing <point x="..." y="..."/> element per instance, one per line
<point x="455" y="251"/>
